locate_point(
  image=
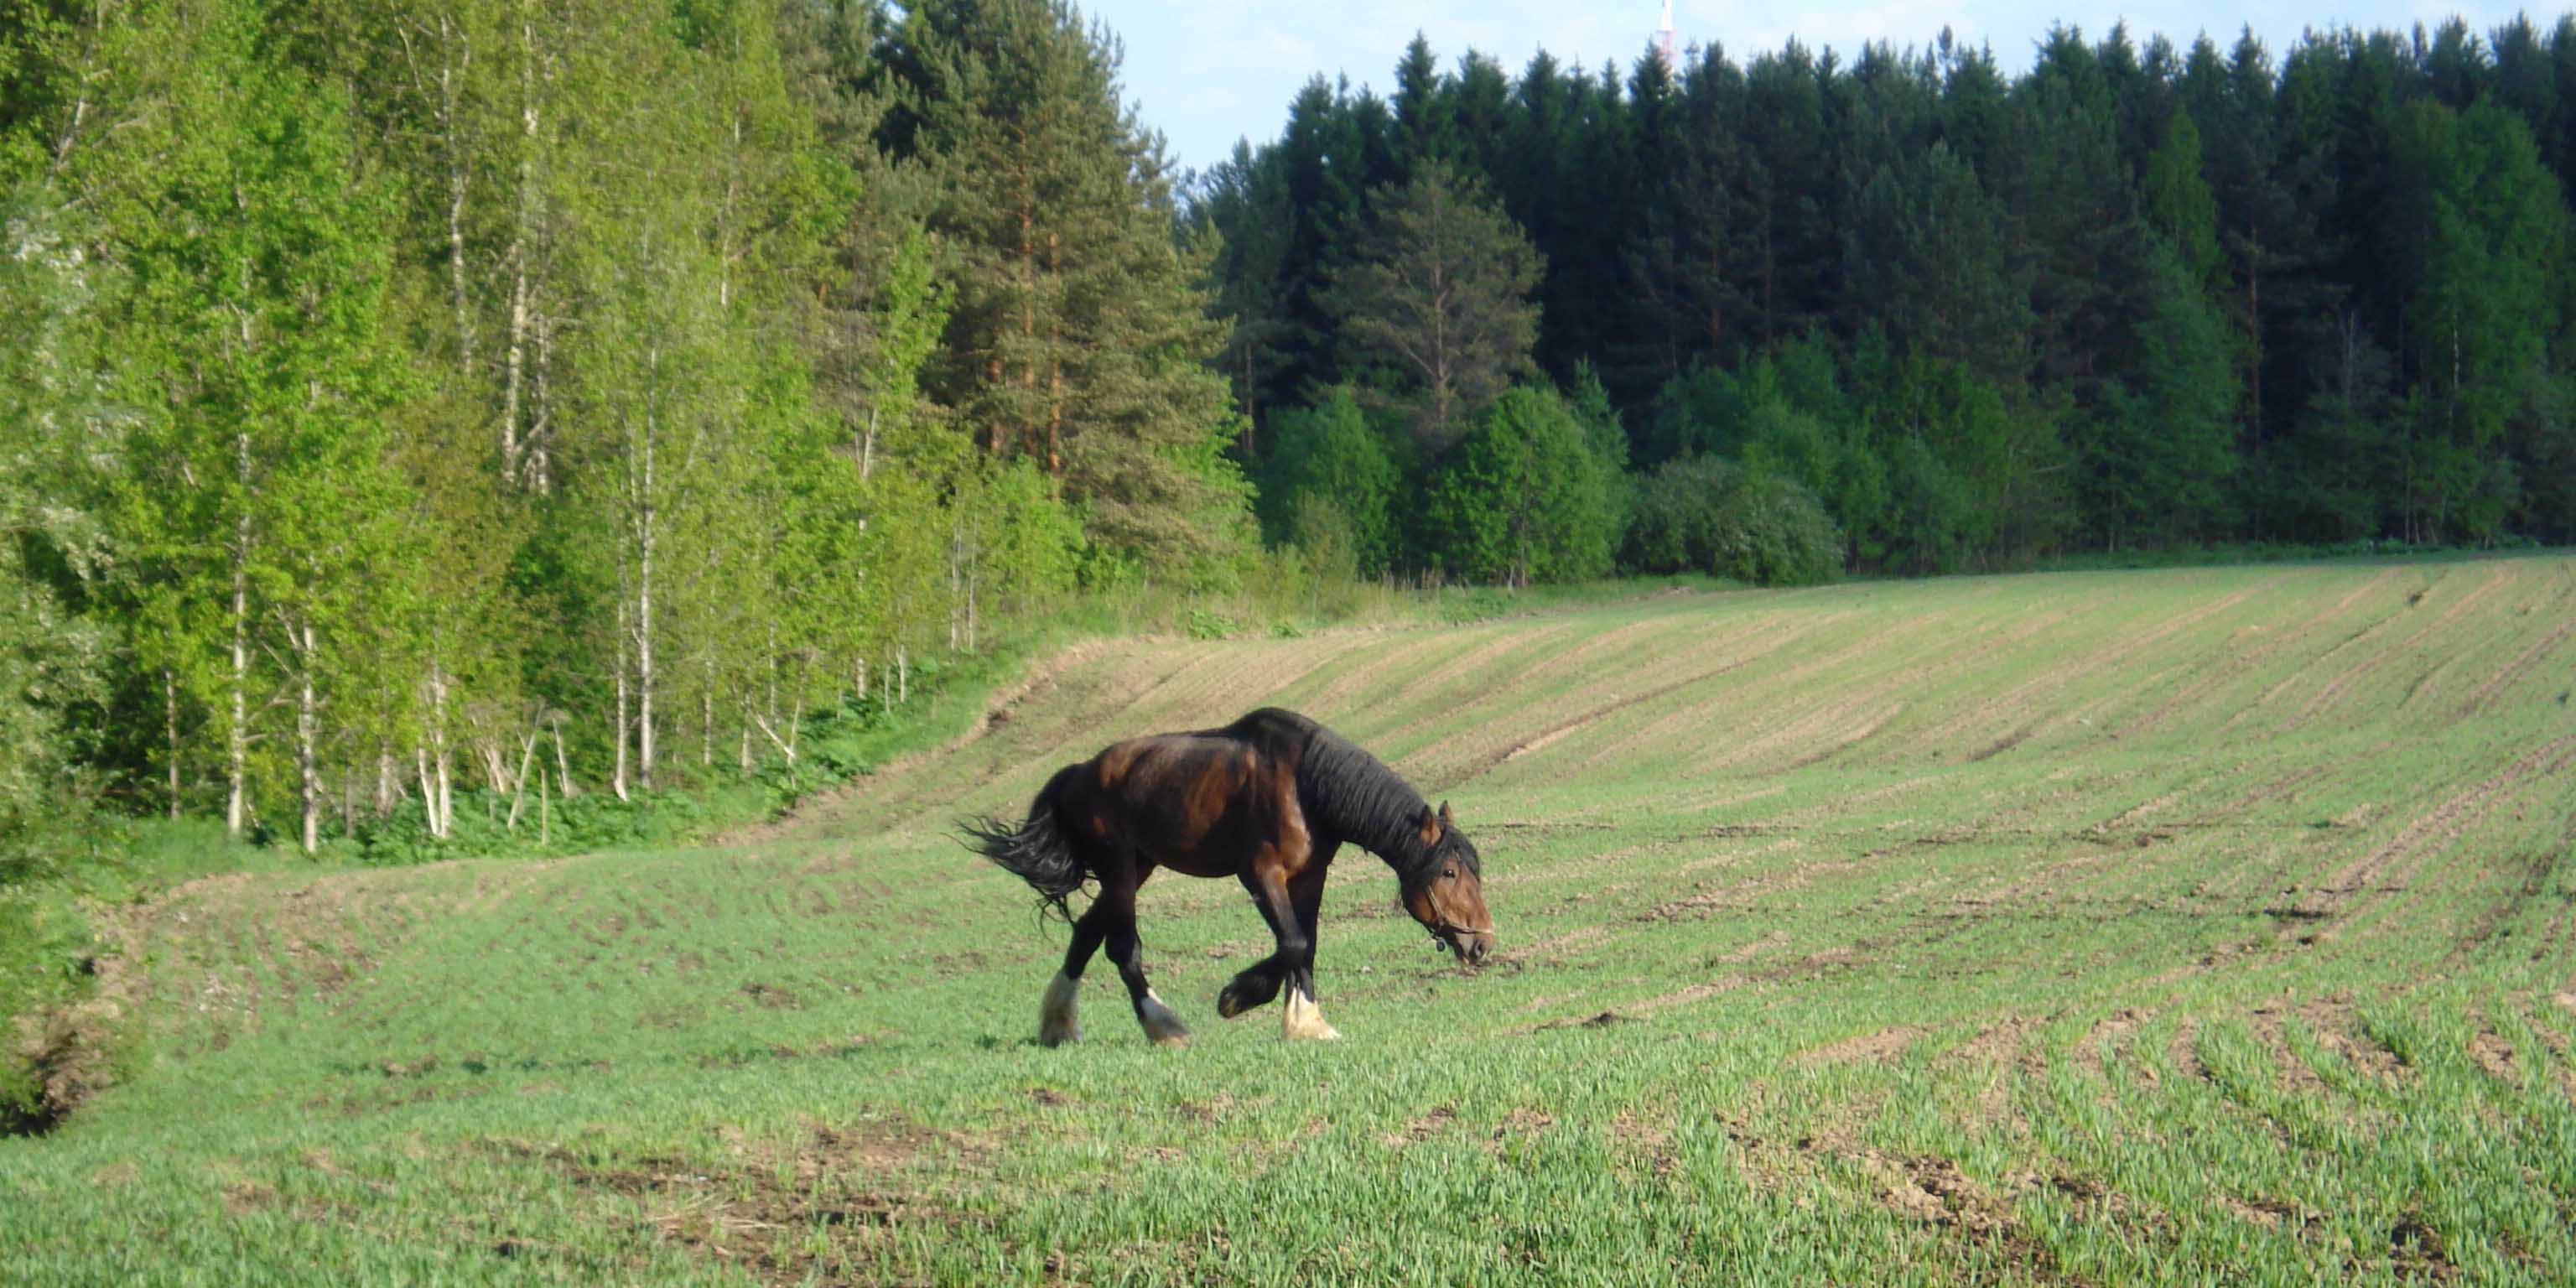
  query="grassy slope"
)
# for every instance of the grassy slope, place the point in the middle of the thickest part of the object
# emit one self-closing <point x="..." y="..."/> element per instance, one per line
<point x="2197" y="926"/>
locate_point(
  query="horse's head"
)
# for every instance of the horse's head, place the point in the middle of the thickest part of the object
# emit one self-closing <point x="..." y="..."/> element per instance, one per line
<point x="1448" y="893"/>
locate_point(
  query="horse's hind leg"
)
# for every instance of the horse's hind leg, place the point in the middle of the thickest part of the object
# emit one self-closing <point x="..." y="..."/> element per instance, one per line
<point x="1056" y="1023"/>
<point x="1127" y="950"/>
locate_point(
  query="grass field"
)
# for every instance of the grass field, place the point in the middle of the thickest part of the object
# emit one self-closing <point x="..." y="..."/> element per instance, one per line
<point x="2159" y="927"/>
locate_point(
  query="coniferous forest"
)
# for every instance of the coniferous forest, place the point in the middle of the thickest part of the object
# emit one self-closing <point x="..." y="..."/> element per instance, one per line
<point x="575" y="398"/>
<point x="1901" y="312"/>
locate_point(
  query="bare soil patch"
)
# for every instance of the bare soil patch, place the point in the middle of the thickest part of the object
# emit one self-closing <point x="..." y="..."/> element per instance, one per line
<point x="2109" y="1037"/>
<point x="2268" y="1213"/>
<point x="2495" y="1057"/>
<point x="1881" y="1045"/>
<point x="756" y="1209"/>
<point x="2339" y="1030"/>
<point x="1424" y="1127"/>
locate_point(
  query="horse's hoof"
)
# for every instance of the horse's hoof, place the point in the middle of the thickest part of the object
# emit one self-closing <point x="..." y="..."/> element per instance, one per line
<point x="1230" y="1004"/>
<point x="1056" y="1023"/>
<point x="1160" y="1023"/>
<point x="1172" y="1040"/>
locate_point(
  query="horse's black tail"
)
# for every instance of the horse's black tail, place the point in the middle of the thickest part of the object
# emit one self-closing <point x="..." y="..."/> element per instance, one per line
<point x="1036" y="850"/>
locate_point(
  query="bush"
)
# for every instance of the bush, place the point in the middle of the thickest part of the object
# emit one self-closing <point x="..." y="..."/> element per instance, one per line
<point x="1697" y="513"/>
<point x="1523" y="498"/>
<point x="1330" y="453"/>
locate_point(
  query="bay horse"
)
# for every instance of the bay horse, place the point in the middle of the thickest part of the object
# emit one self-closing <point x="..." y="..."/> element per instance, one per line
<point x="1267" y="800"/>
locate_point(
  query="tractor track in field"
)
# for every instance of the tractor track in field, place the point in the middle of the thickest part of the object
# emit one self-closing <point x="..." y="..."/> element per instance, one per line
<point x="2332" y="693"/>
<point x="2432" y="828"/>
<point x="2009" y="706"/>
<point x="1551" y="735"/>
<point x="2530" y="657"/>
<point x="2236" y="663"/>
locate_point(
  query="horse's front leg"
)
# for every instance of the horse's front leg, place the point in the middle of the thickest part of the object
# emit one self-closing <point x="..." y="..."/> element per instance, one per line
<point x="1256" y="984"/>
<point x="1304" y="1015"/>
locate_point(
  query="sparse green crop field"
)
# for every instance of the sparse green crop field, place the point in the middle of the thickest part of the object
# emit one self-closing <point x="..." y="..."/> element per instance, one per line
<point x="2107" y="928"/>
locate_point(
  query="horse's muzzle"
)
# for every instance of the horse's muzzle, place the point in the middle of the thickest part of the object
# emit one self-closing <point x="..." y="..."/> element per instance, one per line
<point x="1471" y="945"/>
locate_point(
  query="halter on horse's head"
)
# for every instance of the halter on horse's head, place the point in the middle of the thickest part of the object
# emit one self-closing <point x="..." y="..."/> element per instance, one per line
<point x="1445" y="888"/>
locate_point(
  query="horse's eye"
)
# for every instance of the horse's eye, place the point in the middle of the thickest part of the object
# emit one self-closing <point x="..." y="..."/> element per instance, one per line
<point x="1451" y="873"/>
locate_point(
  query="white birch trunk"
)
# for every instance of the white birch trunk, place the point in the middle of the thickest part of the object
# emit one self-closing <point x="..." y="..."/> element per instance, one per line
<point x="170" y="725"/>
<point x="449" y="69"/>
<point x="563" y="765"/>
<point x="437" y="784"/>
<point x="307" y="733"/>
<point x="519" y="789"/>
<point x="237" y="737"/>
<point x="644" y="578"/>
<point x="617" y="775"/>
<point x="428" y="789"/>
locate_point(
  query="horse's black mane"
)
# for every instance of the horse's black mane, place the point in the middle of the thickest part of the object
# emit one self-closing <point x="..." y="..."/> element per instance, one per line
<point x="1356" y="798"/>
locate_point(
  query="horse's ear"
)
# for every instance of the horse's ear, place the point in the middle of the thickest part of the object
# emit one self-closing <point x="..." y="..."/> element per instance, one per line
<point x="1431" y="826"/>
<point x="1445" y="824"/>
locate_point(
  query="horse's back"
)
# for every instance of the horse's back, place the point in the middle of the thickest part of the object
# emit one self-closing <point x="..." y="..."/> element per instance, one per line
<point x="1196" y="801"/>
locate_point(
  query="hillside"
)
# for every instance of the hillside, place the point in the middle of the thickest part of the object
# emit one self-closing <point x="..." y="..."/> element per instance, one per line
<point x="2084" y="928"/>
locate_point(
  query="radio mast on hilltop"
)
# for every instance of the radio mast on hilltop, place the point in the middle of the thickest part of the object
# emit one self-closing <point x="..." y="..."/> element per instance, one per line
<point x="1664" y="42"/>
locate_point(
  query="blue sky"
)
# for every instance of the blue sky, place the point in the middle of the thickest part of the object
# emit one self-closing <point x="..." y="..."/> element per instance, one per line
<point x="1206" y="72"/>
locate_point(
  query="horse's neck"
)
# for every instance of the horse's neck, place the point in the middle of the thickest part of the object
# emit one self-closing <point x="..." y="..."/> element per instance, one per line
<point x="1360" y="801"/>
<point x="1391" y="839"/>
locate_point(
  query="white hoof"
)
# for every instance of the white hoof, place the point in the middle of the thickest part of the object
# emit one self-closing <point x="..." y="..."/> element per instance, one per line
<point x="1055" y="1015"/>
<point x="1161" y="1024"/>
<point x="1303" y="1021"/>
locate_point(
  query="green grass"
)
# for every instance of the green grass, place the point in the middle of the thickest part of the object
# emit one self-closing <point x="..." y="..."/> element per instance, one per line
<point x="2198" y="926"/>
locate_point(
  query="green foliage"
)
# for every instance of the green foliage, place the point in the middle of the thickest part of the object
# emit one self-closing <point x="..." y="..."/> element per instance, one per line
<point x="2160" y="453"/>
<point x="1924" y="211"/>
<point x="56" y="464"/>
<point x="1930" y="259"/>
<point x="1080" y="337"/>
<point x="2180" y="206"/>
<point x="1330" y="452"/>
<point x="1745" y="523"/>
<point x="1523" y="499"/>
<point x="2489" y="228"/>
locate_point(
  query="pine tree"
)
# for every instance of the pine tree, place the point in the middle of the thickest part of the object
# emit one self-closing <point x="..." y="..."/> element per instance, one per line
<point x="1928" y="256"/>
<point x="1692" y="254"/>
<point x="1425" y="133"/>
<point x="2490" y="232"/>
<point x="1080" y="337"/>
<point x="1437" y="299"/>
<point x="2163" y="447"/>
